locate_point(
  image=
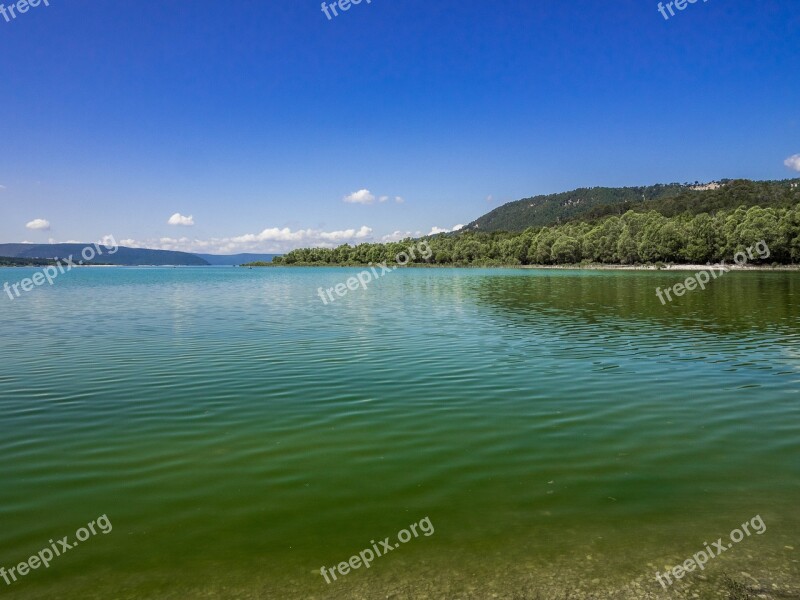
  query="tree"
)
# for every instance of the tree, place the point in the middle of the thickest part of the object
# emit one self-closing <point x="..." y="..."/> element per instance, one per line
<point x="540" y="252"/>
<point x="566" y="250"/>
<point x="702" y="240"/>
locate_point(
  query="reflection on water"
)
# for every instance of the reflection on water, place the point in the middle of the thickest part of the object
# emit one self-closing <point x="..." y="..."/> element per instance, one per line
<point x="740" y="302"/>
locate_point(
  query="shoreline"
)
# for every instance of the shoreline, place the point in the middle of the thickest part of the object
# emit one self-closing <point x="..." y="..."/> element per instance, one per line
<point x="688" y="267"/>
<point x="576" y="267"/>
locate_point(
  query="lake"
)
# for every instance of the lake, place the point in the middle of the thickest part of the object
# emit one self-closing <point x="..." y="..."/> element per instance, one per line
<point x="565" y="434"/>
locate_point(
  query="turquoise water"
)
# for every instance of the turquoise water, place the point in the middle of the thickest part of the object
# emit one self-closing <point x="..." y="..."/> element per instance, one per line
<point x="564" y="432"/>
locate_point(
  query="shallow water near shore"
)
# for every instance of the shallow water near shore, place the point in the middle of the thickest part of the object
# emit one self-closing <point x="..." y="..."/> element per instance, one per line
<point x="566" y="433"/>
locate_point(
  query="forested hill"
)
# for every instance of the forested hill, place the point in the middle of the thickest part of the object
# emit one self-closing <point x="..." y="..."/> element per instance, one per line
<point x="633" y="238"/>
<point x="685" y="226"/>
<point x="589" y="204"/>
<point x="552" y="209"/>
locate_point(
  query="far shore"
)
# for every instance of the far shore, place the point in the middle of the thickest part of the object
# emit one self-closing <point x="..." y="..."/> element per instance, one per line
<point x="576" y="267"/>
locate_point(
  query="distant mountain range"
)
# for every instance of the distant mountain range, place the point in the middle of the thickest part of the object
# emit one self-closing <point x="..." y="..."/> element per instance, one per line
<point x="125" y="256"/>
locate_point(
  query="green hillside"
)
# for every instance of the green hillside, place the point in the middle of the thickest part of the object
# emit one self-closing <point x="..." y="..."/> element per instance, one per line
<point x="551" y="209"/>
<point x="590" y="204"/>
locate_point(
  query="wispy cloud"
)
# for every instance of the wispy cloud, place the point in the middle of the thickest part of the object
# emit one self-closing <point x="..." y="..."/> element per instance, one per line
<point x="38" y="225"/>
<point x="179" y="220"/>
<point x="274" y="239"/>
<point x="360" y="197"/>
<point x="399" y="199"/>
<point x="793" y="162"/>
<point x="436" y="230"/>
<point x="397" y="236"/>
<point x="2" y="187"/>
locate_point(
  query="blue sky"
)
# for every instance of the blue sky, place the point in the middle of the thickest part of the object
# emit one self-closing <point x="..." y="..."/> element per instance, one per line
<point x="257" y="119"/>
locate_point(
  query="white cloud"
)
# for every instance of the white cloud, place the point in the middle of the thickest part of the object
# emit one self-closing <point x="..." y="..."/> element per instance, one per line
<point x="793" y="162"/>
<point x="303" y="235"/>
<point x="366" y="197"/>
<point x="360" y="197"/>
<point x="179" y="219"/>
<point x="39" y="225"/>
<point x="397" y="236"/>
<point x="2" y="187"/>
<point x="271" y="240"/>
<point x="490" y="198"/>
<point x="436" y="230"/>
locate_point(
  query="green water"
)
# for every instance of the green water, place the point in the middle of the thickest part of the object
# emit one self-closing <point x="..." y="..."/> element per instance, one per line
<point x="565" y="433"/>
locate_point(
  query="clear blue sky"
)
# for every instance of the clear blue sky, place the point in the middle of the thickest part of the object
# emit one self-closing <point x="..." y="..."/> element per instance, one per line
<point x="258" y="118"/>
